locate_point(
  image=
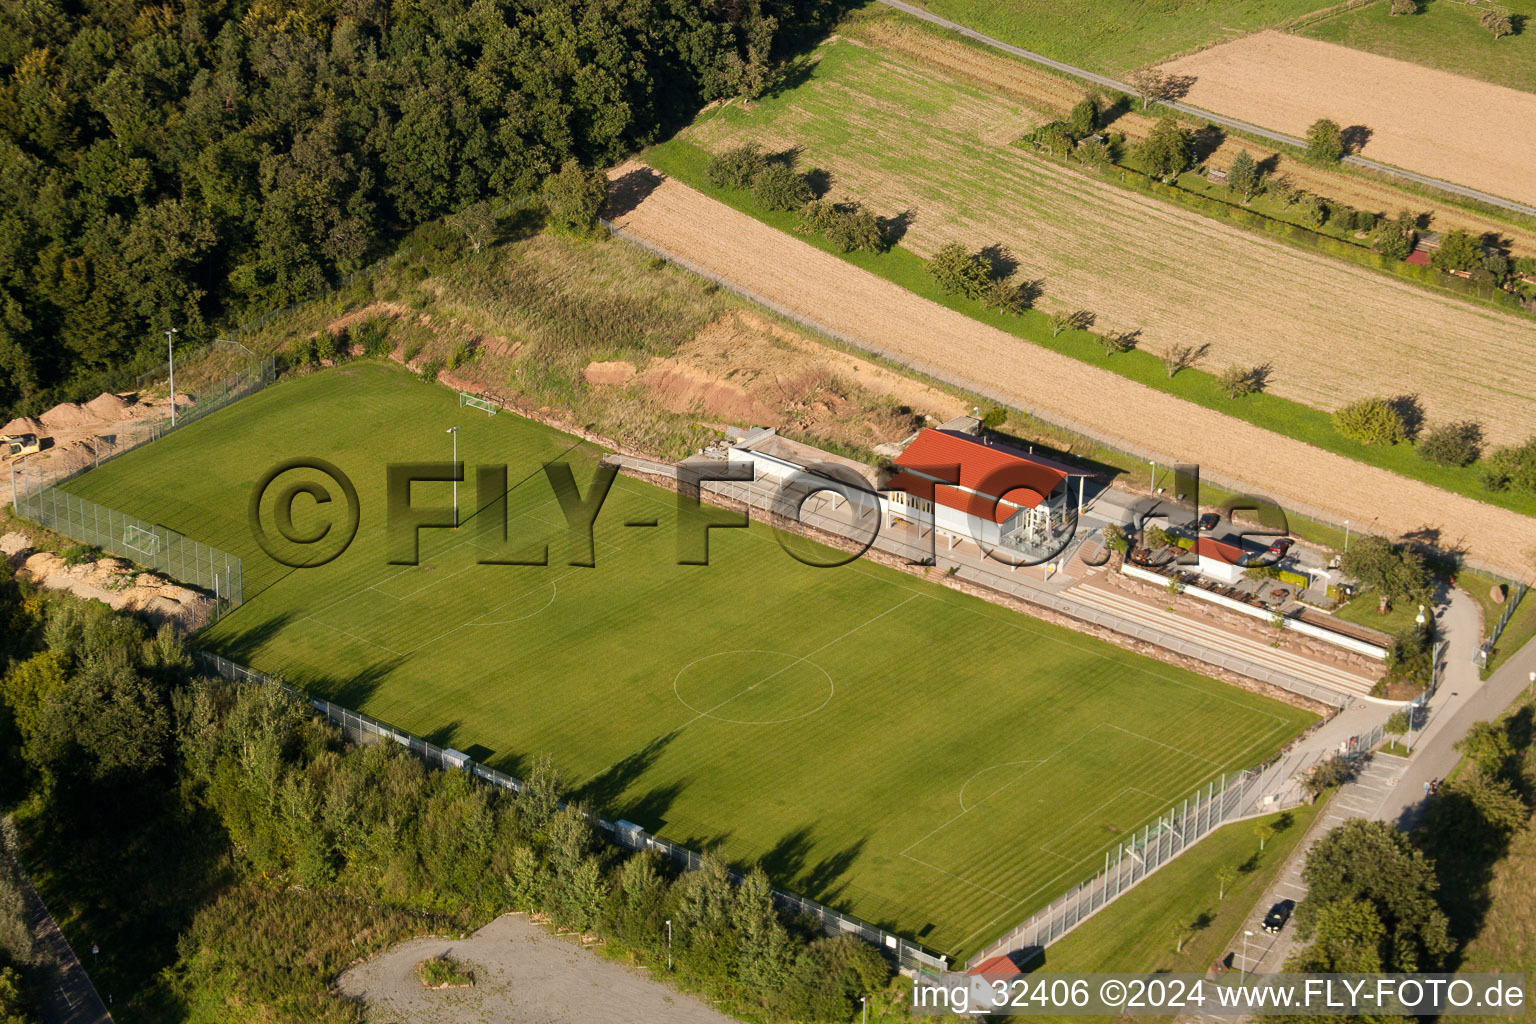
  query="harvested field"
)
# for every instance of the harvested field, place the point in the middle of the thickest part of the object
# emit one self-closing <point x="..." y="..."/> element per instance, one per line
<point x="1057" y="388"/>
<point x="1054" y="96"/>
<point x="905" y="137"/>
<point x="1421" y="119"/>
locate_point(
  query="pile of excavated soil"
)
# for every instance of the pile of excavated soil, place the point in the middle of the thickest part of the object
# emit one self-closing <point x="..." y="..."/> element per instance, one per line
<point x="107" y="406"/>
<point x="112" y="581"/>
<point x="65" y="415"/>
<point x="24" y="425"/>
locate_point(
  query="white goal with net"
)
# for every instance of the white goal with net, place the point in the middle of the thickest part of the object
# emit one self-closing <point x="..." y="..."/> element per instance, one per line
<point x="477" y="402"/>
<point x="136" y="538"/>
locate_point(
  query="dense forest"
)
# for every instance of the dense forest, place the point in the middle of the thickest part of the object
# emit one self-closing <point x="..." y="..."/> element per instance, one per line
<point x="190" y="163"/>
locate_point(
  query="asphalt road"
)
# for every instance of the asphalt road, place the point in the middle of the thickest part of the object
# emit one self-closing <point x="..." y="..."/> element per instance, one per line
<point x="1226" y="122"/>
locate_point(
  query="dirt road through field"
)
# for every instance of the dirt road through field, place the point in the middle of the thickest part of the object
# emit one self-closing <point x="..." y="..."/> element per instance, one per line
<point x="880" y="314"/>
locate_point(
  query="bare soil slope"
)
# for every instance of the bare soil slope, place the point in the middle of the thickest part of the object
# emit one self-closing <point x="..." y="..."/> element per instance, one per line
<point x="838" y="295"/>
<point x="1470" y="132"/>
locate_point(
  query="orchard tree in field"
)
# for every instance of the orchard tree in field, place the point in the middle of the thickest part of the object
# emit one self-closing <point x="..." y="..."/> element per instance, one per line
<point x="1244" y="176"/>
<point x="1325" y="141"/>
<point x="959" y="271"/>
<point x="1084" y="118"/>
<point x="1238" y="381"/>
<point x="1075" y="320"/>
<point x="1166" y="152"/>
<point x="1371" y="421"/>
<point x="777" y="187"/>
<point x="1458" y="251"/>
<point x="574" y="197"/>
<point x="1392" y="570"/>
<point x="1497" y="22"/>
<point x="1395" y="239"/>
<point x="1150" y="84"/>
<point x="1225" y="876"/>
<point x="1452" y="444"/>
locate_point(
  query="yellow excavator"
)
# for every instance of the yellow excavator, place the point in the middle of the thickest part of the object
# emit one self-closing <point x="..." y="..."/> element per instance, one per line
<point x="14" y="445"/>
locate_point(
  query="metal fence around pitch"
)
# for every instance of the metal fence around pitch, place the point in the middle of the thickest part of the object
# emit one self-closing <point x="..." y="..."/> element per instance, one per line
<point x="1272" y="786"/>
<point x="34" y="474"/>
<point x="361" y="728"/>
<point x="1516" y="591"/>
<point x="139" y="541"/>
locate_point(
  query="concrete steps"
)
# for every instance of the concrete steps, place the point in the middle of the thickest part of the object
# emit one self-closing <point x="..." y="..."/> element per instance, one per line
<point x="1215" y="636"/>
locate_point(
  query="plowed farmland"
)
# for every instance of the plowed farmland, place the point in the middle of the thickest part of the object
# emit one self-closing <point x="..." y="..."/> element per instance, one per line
<point x="1424" y="120"/>
<point x="903" y="136"/>
<point x="1054" y="96"/>
<point x="831" y="291"/>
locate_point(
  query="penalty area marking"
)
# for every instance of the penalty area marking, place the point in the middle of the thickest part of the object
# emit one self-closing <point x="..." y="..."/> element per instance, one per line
<point x="553" y="593"/>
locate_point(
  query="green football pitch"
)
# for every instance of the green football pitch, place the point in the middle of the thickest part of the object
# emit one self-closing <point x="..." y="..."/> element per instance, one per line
<point x="913" y="755"/>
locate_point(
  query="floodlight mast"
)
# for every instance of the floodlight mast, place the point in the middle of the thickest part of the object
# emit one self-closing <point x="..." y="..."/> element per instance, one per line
<point x="455" y="432"/>
<point x="170" y="356"/>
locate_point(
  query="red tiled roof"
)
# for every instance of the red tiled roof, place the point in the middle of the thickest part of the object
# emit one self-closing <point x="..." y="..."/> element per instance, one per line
<point x="1207" y="547"/>
<point x="989" y="469"/>
<point x="996" y="965"/>
<point x="1418" y="256"/>
<point x="972" y="504"/>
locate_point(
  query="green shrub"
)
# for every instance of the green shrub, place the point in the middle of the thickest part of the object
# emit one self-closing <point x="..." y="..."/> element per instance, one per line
<point x="736" y="167"/>
<point x="1458" y="251"/>
<point x="1237" y="381"/>
<point x="960" y="272"/>
<point x="848" y="226"/>
<point x="1452" y="444"/>
<point x="1325" y="141"/>
<point x="1512" y="465"/>
<point x="430" y="369"/>
<point x="78" y="554"/>
<point x="444" y="970"/>
<point x="777" y="187"/>
<point x="1371" y="421"/>
<point x="574" y="196"/>
<point x="1084" y="117"/>
<point x="373" y="335"/>
<point x="462" y="353"/>
<point x="325" y="347"/>
<point x="301" y="353"/>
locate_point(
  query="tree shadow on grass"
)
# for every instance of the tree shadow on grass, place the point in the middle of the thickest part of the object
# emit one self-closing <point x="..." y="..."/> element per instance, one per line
<point x="604" y="789"/>
<point x="629" y="190"/>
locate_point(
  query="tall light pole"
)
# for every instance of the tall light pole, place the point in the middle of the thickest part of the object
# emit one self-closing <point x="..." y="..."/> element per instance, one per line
<point x="864" y="1002"/>
<point x="1346" y="536"/>
<point x="170" y="358"/>
<point x="455" y="432"/>
<point x="669" y="944"/>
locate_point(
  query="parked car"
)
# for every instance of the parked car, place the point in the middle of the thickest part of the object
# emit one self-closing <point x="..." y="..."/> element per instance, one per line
<point x="1210" y="520"/>
<point x="1278" y="915"/>
<point x="1281" y="546"/>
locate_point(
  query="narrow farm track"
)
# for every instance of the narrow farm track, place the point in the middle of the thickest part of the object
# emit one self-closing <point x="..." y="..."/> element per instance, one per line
<point x="857" y="304"/>
<point x="1194" y="111"/>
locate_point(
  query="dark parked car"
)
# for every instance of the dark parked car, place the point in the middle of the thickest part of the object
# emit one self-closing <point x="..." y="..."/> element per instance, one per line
<point x="1210" y="520"/>
<point x="1281" y="546"/>
<point x="1278" y="915"/>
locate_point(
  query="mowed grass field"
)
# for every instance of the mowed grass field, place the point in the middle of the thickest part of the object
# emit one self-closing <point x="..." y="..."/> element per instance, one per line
<point x="917" y="756"/>
<point x="1444" y="35"/>
<point x="1114" y="36"/>
<point x="908" y="138"/>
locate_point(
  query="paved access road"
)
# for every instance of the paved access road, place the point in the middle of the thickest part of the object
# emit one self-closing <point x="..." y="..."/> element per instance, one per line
<point x="1193" y="111"/>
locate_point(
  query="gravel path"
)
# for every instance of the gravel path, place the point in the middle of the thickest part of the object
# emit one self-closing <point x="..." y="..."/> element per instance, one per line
<point x="523" y="975"/>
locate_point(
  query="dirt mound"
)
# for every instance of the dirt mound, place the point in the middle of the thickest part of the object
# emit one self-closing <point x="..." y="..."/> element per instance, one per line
<point x="118" y="584"/>
<point x="616" y="371"/>
<point x="64" y="415"/>
<point x="24" y="425"/>
<point x="107" y="406"/>
<point x="682" y="390"/>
